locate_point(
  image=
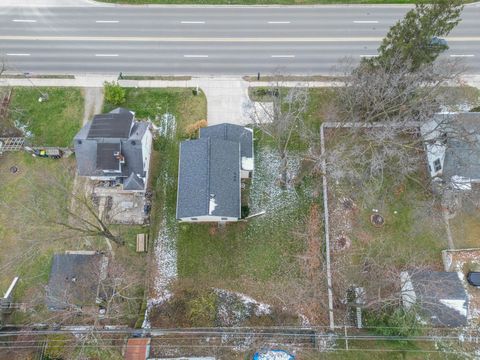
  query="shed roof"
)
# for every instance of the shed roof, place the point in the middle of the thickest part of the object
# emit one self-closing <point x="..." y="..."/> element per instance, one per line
<point x="441" y="297"/>
<point x="74" y="279"/>
<point x="137" y="349"/>
<point x="209" y="178"/>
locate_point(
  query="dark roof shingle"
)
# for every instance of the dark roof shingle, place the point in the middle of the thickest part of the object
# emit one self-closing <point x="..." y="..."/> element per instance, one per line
<point x="209" y="178"/>
<point x="106" y="159"/>
<point x="74" y="279"/>
<point x="111" y="125"/>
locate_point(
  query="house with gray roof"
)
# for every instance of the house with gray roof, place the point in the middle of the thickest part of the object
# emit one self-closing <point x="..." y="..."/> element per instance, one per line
<point x="438" y="297"/>
<point x="236" y="133"/>
<point x="75" y="279"/>
<point x="452" y="142"/>
<point x="210" y="173"/>
<point x="115" y="147"/>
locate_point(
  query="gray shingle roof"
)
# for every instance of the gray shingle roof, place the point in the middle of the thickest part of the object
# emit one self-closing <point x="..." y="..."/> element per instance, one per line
<point x="433" y="290"/>
<point x="111" y="125"/>
<point x="462" y="156"/>
<point x="231" y="132"/>
<point x="74" y="279"/>
<point x="105" y="156"/>
<point x="209" y="171"/>
<point x="133" y="182"/>
<point x="94" y="155"/>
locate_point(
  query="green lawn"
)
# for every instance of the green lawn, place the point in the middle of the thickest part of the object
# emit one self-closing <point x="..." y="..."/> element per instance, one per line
<point x="263" y="257"/>
<point x="152" y="103"/>
<point x="51" y="123"/>
<point x="27" y="241"/>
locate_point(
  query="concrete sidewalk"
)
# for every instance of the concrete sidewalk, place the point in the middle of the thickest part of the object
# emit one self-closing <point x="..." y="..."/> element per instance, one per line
<point x="227" y="97"/>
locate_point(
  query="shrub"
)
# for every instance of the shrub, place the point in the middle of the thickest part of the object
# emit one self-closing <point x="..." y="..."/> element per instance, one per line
<point x="245" y="211"/>
<point x="394" y="322"/>
<point x="475" y="109"/>
<point x="114" y="93"/>
<point x="202" y="309"/>
<point x="192" y="129"/>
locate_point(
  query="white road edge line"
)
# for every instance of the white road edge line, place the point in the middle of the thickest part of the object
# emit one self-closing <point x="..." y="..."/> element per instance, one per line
<point x="365" y="22"/>
<point x="106" y="55"/>
<point x="192" y="22"/>
<point x="24" y="20"/>
<point x="195" y="56"/>
<point x="279" y="22"/>
<point x="462" y="55"/>
<point x="283" y="56"/>
<point x="368" y="55"/>
<point x="17" y="54"/>
<point x="107" y="21"/>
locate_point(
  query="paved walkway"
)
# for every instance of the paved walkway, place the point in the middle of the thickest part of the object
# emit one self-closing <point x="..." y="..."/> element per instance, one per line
<point x="227" y="97"/>
<point x="48" y="3"/>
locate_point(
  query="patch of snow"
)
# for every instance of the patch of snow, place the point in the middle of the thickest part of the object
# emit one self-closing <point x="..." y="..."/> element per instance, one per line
<point x="167" y="127"/>
<point x="305" y="321"/>
<point x="23" y="128"/>
<point x="211" y="205"/>
<point x="166" y="264"/>
<point x="234" y="308"/>
<point x="457" y="305"/>
<point x="274" y="355"/>
<point x="265" y="193"/>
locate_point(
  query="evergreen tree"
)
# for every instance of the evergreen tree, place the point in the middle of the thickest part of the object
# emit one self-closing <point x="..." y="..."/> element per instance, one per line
<point x="416" y="37"/>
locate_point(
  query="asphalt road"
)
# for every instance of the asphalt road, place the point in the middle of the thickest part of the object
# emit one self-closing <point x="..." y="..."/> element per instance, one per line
<point x="206" y="40"/>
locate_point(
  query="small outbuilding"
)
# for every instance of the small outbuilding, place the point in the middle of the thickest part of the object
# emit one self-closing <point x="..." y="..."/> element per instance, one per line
<point x="75" y="279"/>
<point x="440" y="297"/>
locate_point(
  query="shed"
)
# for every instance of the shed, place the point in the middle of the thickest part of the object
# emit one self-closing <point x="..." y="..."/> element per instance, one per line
<point x="137" y="349"/>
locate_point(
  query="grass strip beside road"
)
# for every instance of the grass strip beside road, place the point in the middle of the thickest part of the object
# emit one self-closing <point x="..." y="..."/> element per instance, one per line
<point x="259" y="2"/>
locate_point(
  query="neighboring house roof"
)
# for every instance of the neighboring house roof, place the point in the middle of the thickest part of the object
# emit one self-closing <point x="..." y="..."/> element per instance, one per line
<point x="441" y="296"/>
<point x="454" y="140"/>
<point x="74" y="280"/>
<point x="462" y="155"/>
<point x="106" y="159"/>
<point x="115" y="124"/>
<point x="209" y="178"/>
<point x="137" y="349"/>
<point x="231" y="132"/>
<point x="133" y="182"/>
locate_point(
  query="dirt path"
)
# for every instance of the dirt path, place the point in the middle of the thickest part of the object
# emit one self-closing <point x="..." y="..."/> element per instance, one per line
<point x="93" y="99"/>
<point x="93" y="103"/>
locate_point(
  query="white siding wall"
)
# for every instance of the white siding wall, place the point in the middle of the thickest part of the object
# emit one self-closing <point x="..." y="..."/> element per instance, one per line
<point x="146" y="151"/>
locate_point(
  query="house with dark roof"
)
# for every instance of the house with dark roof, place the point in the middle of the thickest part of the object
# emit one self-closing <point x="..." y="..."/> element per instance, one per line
<point x="452" y="142"/>
<point x="115" y="147"/>
<point x="210" y="173"/>
<point x="74" y="280"/>
<point x="438" y="297"/>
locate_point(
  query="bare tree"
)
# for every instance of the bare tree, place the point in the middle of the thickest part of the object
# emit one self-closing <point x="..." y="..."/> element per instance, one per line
<point x="279" y="115"/>
<point x="70" y="208"/>
<point x="377" y="118"/>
